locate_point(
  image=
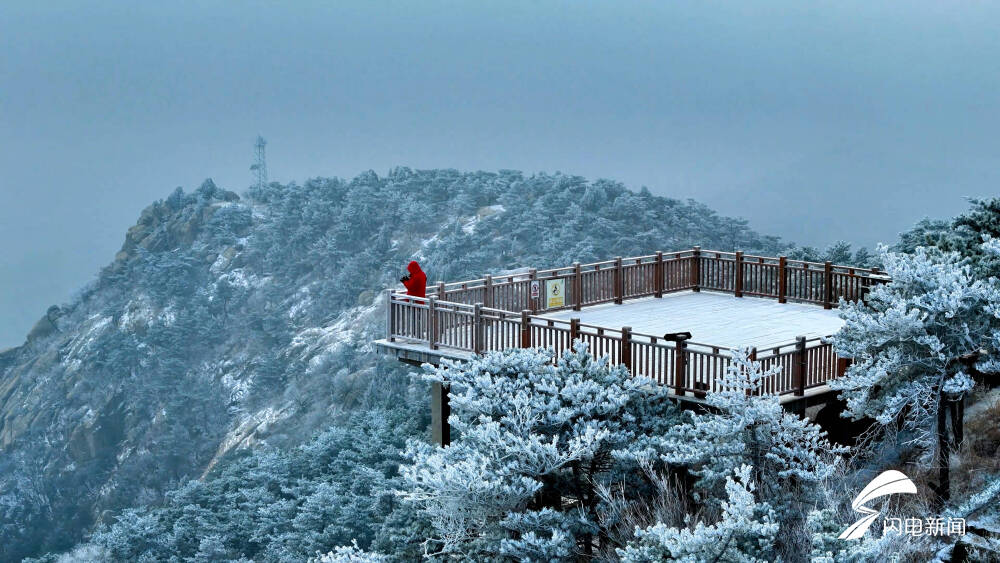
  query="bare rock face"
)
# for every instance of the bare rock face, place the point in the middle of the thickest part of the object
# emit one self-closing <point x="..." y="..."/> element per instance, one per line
<point x="47" y="325"/>
<point x="44" y="327"/>
<point x="167" y="225"/>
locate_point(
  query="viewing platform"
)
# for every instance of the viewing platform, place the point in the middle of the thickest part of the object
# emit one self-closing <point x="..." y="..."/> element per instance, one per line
<point x="636" y="311"/>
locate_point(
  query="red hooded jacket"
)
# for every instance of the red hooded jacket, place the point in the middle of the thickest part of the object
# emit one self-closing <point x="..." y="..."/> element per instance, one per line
<point x="417" y="284"/>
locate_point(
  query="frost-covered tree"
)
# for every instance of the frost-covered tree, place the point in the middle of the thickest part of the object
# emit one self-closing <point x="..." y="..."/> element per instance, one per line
<point x="535" y="441"/>
<point x="750" y="427"/>
<point x="927" y="232"/>
<point x="273" y="505"/>
<point x="745" y="532"/>
<point x="982" y="514"/>
<point x="789" y="456"/>
<point x="990" y="363"/>
<point x="838" y="253"/>
<point x="350" y="554"/>
<point x="908" y="343"/>
<point x="963" y="235"/>
<point x="864" y="257"/>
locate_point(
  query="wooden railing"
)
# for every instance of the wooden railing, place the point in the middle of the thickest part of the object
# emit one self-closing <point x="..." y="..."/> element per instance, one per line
<point x="497" y="313"/>
<point x="653" y="275"/>
<point x="478" y="329"/>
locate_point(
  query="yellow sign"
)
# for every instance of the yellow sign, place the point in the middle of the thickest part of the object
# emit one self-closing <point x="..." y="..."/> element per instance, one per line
<point x="555" y="293"/>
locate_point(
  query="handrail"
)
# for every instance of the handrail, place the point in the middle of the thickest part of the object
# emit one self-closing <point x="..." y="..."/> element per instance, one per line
<point x="665" y="272"/>
<point x="689" y="368"/>
<point x="490" y="313"/>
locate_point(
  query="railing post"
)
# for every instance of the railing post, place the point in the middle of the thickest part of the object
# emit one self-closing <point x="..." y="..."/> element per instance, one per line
<point x="432" y="323"/>
<point x="842" y="365"/>
<point x="477" y="328"/>
<point x="626" y="349"/>
<point x="574" y="330"/>
<point x="799" y="367"/>
<point x="440" y="291"/>
<point x="389" y="328"/>
<point x="680" y="367"/>
<point x="866" y="285"/>
<point x="618" y="280"/>
<point x="533" y="301"/>
<point x="577" y="287"/>
<point x="525" y="328"/>
<point x="658" y="274"/>
<point x="696" y="269"/>
<point x="828" y="285"/>
<point x="782" y="279"/>
<point x="488" y="291"/>
<point x="852" y="287"/>
<point x="753" y="358"/>
<point x="738" y="275"/>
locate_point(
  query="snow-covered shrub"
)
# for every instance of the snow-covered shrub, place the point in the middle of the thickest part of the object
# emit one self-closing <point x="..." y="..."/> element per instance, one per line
<point x="535" y="441"/>
<point x="668" y="501"/>
<point x="350" y="554"/>
<point x="746" y="532"/>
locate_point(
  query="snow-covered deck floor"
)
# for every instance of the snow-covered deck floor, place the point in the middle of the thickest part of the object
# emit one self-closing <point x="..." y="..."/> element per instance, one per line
<point x="714" y="318"/>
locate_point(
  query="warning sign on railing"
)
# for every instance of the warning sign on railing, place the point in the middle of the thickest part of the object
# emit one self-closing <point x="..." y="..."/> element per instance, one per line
<point x="535" y="289"/>
<point x="555" y="293"/>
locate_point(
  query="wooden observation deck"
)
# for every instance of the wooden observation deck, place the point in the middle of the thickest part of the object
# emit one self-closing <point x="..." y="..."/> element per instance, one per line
<point x="779" y="308"/>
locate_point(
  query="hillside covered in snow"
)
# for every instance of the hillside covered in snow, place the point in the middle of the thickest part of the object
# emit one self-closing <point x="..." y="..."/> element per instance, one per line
<point x="232" y="324"/>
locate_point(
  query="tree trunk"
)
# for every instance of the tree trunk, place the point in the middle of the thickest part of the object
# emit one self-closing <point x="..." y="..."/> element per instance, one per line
<point x="957" y="421"/>
<point x="586" y="541"/>
<point x="944" y="475"/>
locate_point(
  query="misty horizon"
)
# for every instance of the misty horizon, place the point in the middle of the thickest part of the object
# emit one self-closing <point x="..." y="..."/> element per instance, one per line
<point x="815" y="123"/>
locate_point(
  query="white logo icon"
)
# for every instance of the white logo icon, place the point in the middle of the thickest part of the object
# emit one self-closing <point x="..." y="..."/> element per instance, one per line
<point x="888" y="483"/>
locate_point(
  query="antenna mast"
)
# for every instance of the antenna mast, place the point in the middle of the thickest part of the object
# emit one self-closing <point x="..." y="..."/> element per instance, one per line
<point x="259" y="166"/>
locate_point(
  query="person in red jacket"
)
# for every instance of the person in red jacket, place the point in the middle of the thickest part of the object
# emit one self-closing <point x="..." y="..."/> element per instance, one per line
<point x="415" y="280"/>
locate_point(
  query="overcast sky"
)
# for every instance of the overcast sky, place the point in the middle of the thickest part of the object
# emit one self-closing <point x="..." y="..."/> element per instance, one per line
<point x="816" y="121"/>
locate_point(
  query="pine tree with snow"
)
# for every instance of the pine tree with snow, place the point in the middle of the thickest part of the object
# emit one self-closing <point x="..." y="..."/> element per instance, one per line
<point x="967" y="232"/>
<point x="962" y="235"/>
<point x="911" y="344"/>
<point x="534" y="443"/>
<point x="789" y="456"/>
